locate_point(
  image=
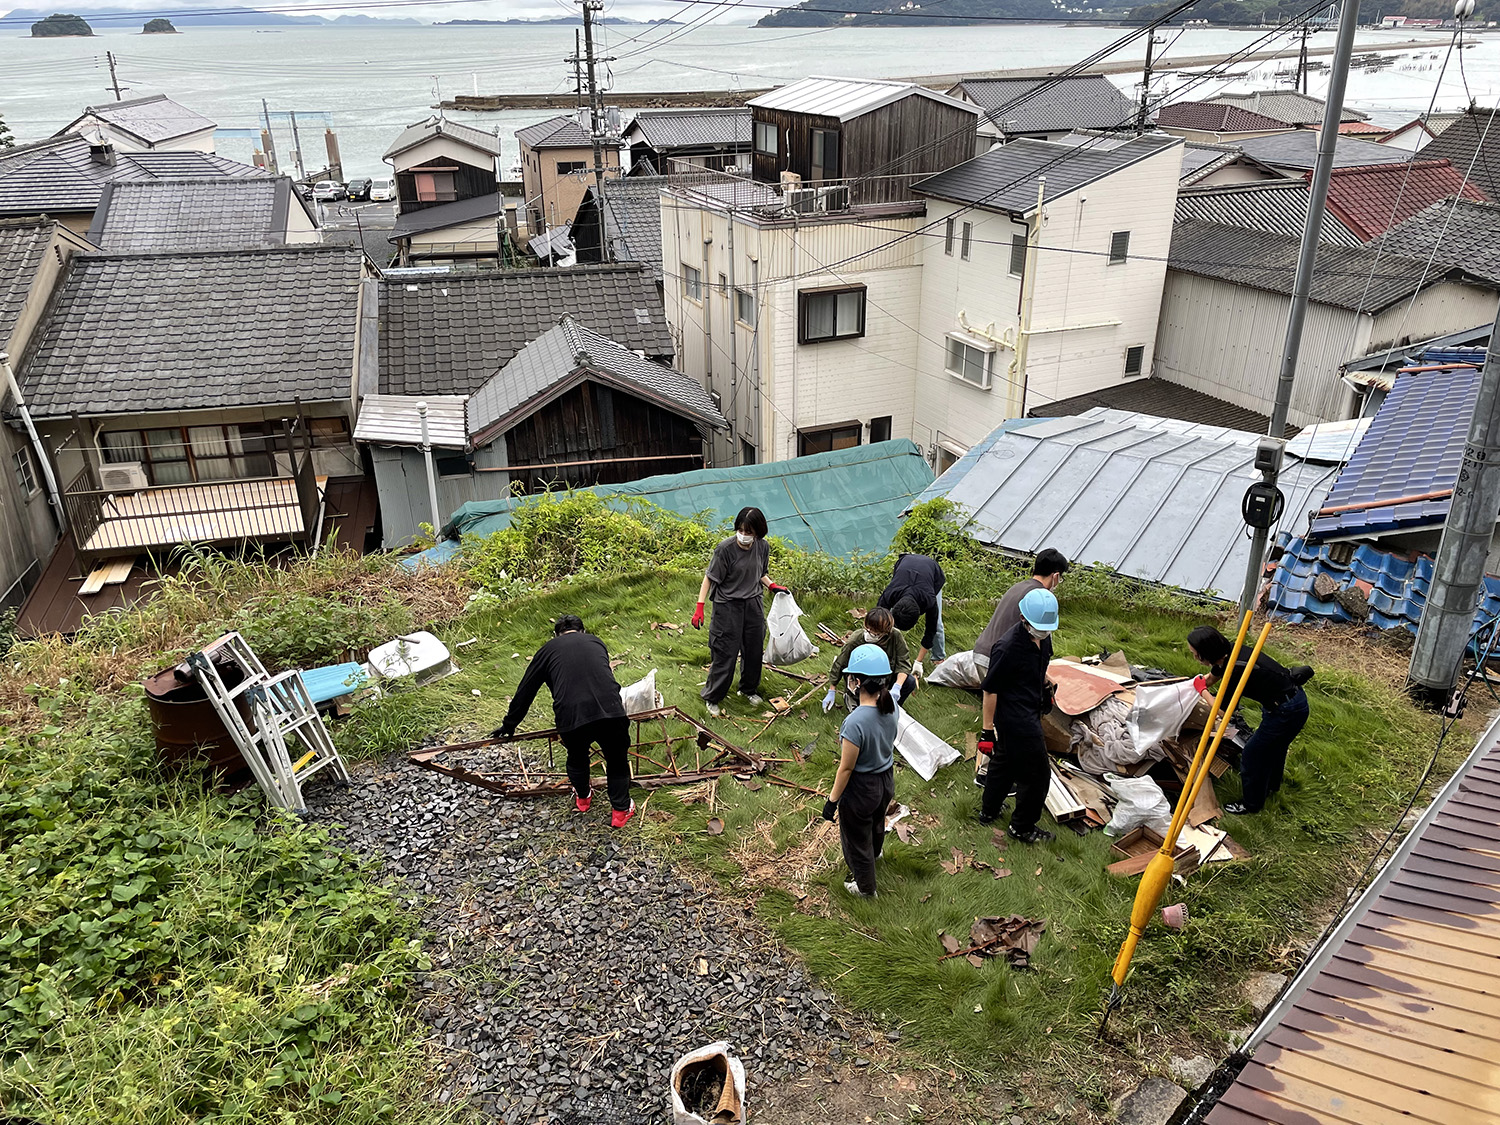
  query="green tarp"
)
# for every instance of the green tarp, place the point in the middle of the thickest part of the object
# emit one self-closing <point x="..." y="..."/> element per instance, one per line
<point x="842" y="503"/>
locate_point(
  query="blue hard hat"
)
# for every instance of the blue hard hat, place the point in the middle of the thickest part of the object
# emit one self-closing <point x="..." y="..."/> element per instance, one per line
<point x="868" y="660"/>
<point x="1039" y="608"/>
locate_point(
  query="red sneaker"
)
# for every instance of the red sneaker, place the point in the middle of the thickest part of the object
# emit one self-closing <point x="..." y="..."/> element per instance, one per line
<point x="622" y="817"/>
<point x="583" y="804"/>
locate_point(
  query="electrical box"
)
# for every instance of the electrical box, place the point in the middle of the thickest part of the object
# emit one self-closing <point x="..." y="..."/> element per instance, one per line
<point x="1268" y="454"/>
<point x="1262" y="504"/>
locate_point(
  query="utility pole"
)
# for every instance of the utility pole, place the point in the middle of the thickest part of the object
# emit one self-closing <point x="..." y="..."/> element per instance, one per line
<point x="297" y="141"/>
<point x="1301" y="81"/>
<point x="114" y="79"/>
<point x="1263" y="500"/>
<point x="577" y="61"/>
<point x="1144" y="111"/>
<point x="596" y="112"/>
<point x="268" y="142"/>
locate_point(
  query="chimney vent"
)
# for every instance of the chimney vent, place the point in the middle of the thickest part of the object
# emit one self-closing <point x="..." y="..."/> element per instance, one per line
<point x="102" y="153"/>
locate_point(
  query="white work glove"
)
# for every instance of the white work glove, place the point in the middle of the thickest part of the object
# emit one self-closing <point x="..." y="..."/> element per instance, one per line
<point x="828" y="702"/>
<point x="916" y="670"/>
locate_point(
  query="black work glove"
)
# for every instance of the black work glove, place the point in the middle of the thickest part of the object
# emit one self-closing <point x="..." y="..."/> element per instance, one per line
<point x="829" y="809"/>
<point x="504" y="730"/>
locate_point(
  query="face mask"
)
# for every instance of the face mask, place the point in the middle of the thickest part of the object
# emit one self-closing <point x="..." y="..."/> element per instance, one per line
<point x="1038" y="634"/>
<point x="744" y="538"/>
<point x="874" y="638"/>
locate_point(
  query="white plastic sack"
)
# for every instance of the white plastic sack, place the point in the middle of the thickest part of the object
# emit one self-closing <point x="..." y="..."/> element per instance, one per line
<point x="730" y="1109"/>
<point x="959" y="671"/>
<point x="641" y="695"/>
<point x="1142" y="804"/>
<point x="786" y="643"/>
<point x="924" y="751"/>
<point x="1159" y="712"/>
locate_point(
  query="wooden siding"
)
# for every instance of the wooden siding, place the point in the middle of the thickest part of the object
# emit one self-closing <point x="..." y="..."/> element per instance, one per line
<point x="597" y="423"/>
<point x="468" y="182"/>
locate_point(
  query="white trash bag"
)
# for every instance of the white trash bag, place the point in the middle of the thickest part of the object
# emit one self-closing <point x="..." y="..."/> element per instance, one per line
<point x="959" y="671"/>
<point x="641" y="695"/>
<point x="924" y="751"/>
<point x="708" y="1087"/>
<point x="1142" y="804"/>
<point x="1159" y="712"/>
<point x="786" y="643"/>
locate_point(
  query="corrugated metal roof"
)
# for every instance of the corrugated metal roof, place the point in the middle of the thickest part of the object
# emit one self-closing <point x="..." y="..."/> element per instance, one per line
<point x="1153" y="499"/>
<point x="1273" y="206"/>
<point x="1329" y="443"/>
<point x="847" y="98"/>
<point x="668" y="130"/>
<point x="1387" y="360"/>
<point x="395" y="420"/>
<point x="1414" y="446"/>
<point x="1396" y="1019"/>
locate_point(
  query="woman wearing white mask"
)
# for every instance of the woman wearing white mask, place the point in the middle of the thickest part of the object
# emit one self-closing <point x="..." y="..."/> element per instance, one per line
<point x="736" y="576"/>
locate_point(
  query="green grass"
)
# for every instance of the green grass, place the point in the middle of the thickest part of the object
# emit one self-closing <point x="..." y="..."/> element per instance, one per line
<point x="1348" y="774"/>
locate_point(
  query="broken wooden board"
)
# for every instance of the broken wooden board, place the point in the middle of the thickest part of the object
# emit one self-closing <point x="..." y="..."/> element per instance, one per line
<point x="1140" y="845"/>
<point x="111" y="572"/>
<point x="1080" y="689"/>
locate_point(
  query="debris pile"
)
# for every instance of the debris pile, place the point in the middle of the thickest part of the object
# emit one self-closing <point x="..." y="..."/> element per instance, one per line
<point x="1013" y="938"/>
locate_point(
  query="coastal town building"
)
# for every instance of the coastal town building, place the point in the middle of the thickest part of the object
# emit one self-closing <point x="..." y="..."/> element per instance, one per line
<point x="631" y="215"/>
<point x="1471" y="143"/>
<point x="1047" y="109"/>
<point x="469" y="231"/>
<point x="154" y="123"/>
<point x="1291" y="107"/>
<point x="718" y="139"/>
<point x="557" y="168"/>
<point x="438" y="161"/>
<point x="213" y="213"/>
<point x="1273" y="206"/>
<point x="1216" y="123"/>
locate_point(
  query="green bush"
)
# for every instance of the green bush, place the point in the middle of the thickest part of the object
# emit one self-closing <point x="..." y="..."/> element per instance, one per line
<point x="289" y="630"/>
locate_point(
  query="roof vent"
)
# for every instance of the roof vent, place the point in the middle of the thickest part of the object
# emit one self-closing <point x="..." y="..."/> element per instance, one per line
<point x="102" y="153"/>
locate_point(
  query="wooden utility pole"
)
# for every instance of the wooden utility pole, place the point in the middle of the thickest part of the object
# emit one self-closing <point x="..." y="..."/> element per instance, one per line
<point x="1143" y="112"/>
<point x="114" y="79"/>
<point x="268" y="142"/>
<point x="1301" y="82"/>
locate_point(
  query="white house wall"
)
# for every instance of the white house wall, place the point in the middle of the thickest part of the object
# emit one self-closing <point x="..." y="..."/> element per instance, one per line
<point x="1438" y="310"/>
<point x="444" y="146"/>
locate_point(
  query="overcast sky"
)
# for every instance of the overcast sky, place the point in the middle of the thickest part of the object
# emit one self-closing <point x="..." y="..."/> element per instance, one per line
<point x="480" y="9"/>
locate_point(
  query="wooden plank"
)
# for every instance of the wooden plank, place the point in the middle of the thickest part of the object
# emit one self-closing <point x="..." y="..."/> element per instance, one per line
<point x="94" y="582"/>
<point x="117" y="570"/>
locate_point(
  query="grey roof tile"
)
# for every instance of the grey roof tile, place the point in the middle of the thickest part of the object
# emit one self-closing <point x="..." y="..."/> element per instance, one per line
<point x="153" y="119"/>
<point x="632" y="218"/>
<point x="1087" y="101"/>
<point x="1471" y="142"/>
<point x="1298" y="150"/>
<point x="1466" y="234"/>
<point x="1288" y="106"/>
<point x="563" y="352"/>
<point x="22" y="245"/>
<point x="447" y="215"/>
<point x="448" y="334"/>
<point x="136" y="333"/>
<point x="1162" y="399"/>
<point x="1273" y="206"/>
<point x="436" y="126"/>
<point x="668" y="130"/>
<point x="555" y="132"/>
<point x="143" y="216"/>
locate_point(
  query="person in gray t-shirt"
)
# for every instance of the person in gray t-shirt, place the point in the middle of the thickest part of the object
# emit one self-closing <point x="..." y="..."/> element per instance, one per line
<point x="1046" y="573"/>
<point x="737" y="578"/>
<point x="865" y="784"/>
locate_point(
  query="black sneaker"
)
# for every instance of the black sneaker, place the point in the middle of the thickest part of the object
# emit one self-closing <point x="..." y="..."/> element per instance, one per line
<point x="1237" y="808"/>
<point x="1030" y="836"/>
<point x="987" y="819"/>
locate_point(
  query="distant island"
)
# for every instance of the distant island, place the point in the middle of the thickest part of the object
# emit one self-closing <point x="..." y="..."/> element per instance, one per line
<point x="951" y="13"/>
<point x="217" y="17"/>
<point x="158" y="27"/>
<point x="557" y="21"/>
<point x="58" y="26"/>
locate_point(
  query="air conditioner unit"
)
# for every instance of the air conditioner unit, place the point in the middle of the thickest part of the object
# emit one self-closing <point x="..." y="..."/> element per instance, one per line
<point x="804" y="201"/>
<point x="128" y="476"/>
<point x="834" y="198"/>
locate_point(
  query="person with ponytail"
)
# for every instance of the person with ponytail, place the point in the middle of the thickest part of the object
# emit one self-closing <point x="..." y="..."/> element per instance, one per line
<point x="865" y="784"/>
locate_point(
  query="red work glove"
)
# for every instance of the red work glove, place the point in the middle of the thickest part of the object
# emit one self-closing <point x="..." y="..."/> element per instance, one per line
<point x="775" y="589"/>
<point x="1200" y="683"/>
<point x="986" y="742"/>
<point x="698" y="616"/>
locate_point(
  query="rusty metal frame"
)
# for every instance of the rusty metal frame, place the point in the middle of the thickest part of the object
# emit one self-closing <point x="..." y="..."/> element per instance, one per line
<point x="726" y="758"/>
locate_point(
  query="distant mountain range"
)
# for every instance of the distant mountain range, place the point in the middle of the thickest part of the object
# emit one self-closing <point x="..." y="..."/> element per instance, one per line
<point x="221" y="17"/>
<point x="556" y="21"/>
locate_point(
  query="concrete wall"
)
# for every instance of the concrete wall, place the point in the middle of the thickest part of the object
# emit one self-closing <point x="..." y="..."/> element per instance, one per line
<point x="556" y="197"/>
<point x="401" y="481"/>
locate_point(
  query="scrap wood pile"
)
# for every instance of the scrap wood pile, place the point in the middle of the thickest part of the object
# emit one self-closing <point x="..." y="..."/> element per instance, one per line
<point x="1012" y="938"/>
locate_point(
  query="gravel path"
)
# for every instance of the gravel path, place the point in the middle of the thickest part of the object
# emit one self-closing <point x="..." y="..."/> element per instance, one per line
<point x="571" y="968"/>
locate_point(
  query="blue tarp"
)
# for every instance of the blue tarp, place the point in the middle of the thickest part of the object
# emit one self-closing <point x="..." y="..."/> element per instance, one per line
<point x="842" y="503"/>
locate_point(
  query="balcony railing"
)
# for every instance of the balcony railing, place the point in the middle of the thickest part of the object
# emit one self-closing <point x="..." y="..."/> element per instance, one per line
<point x="794" y="196"/>
<point x="261" y="509"/>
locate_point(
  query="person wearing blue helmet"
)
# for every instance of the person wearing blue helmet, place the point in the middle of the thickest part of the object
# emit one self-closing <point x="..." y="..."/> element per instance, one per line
<point x="865" y="784"/>
<point x="1017" y="694"/>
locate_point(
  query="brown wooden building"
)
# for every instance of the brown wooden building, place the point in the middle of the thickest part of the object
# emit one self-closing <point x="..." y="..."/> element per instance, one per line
<point x="438" y="162"/>
<point x="867" y="137"/>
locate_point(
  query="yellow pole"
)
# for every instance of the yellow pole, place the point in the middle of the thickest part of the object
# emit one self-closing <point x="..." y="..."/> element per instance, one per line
<point x="1159" y="871"/>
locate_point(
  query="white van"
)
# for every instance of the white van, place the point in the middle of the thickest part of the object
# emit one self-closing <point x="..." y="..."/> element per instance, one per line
<point x="382" y="191"/>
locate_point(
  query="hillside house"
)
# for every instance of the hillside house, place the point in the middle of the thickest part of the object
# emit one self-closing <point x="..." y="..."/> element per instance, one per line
<point x="1215" y="123"/>
<point x="151" y="124"/>
<point x="1047" y="109"/>
<point x="718" y="139"/>
<point x="1290" y="107"/>
<point x="557" y="168"/>
<point x="1471" y="143"/>
<point x="1023" y="304"/>
<point x="438" y="161"/>
<point x="469" y="231"/>
<point x="632" y="223"/>
<point x="206" y="213"/>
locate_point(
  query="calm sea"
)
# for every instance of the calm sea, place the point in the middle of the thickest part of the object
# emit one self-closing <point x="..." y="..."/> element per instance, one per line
<point x="367" y="83"/>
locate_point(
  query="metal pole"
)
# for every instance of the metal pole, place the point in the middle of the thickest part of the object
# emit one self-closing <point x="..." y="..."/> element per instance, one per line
<point x="437" y="519"/>
<point x="54" y="495"/>
<point x="734" y="351"/>
<point x="270" y="140"/>
<point x="1144" y="111"/>
<point x="297" y="140"/>
<point x="1269" y="457"/>
<point x="1458" y="572"/>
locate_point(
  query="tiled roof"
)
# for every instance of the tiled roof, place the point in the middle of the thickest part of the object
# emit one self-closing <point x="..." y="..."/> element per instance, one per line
<point x="447" y="335"/>
<point x="666" y="130"/>
<point x="143" y="216"/>
<point x="1289" y="106"/>
<point x="570" y="351"/>
<point x="22" y="244"/>
<point x="1462" y="232"/>
<point x="1274" y="206"/>
<point x="555" y="132"/>
<point x="1212" y="117"/>
<point x="135" y="333"/>
<point x="414" y="135"/>
<point x="1370" y="199"/>
<point x="632" y="217"/>
<point x="1160" y="398"/>
<point x="1298" y="151"/>
<point x="847" y="98"/>
<point x="58" y="176"/>
<point x="1471" y="143"/>
<point x="447" y="215"/>
<point x="151" y="119"/>
<point x="1359" y="278"/>
<point x="1201" y="159"/>
<point x="1005" y="177"/>
<point x="1414" y="446"/>
<point x="1085" y="101"/>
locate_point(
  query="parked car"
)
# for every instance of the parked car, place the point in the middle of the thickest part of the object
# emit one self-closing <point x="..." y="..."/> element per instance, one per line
<point x="382" y="191"/>
<point x="328" y="191"/>
<point x="358" y="189"/>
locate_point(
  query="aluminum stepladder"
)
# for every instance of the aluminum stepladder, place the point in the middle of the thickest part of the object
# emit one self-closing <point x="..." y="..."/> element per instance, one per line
<point x="276" y="706"/>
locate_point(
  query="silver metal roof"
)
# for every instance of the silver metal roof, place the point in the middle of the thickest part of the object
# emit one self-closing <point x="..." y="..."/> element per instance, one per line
<point x="394" y="420"/>
<point x="847" y="98"/>
<point x="1152" y="498"/>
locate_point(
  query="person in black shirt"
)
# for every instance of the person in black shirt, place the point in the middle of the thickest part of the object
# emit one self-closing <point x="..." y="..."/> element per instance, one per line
<point x="916" y="588"/>
<point x="1016" y="696"/>
<point x="1283" y="713"/>
<point x="586" y="703"/>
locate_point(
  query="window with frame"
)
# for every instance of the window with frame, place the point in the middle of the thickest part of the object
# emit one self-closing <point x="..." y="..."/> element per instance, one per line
<point x="830" y="314"/>
<point x="948" y="235"/>
<point x="571" y="167"/>
<point x="766" y="138"/>
<point x="1018" y="255"/>
<point x="968" y="238"/>
<point x="1119" y="247"/>
<point x="880" y="429"/>
<point x="723" y="285"/>
<point x="744" y="306"/>
<point x="191" y="454"/>
<point x="25" y="470"/>
<point x="692" y="282"/>
<point x="747" y="453"/>
<point x="969" y="361"/>
<point x="435" y="187"/>
<point x="825" y="154"/>
<point x="1135" y="360"/>
<point x="826" y="439"/>
<point x="452" y="465"/>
